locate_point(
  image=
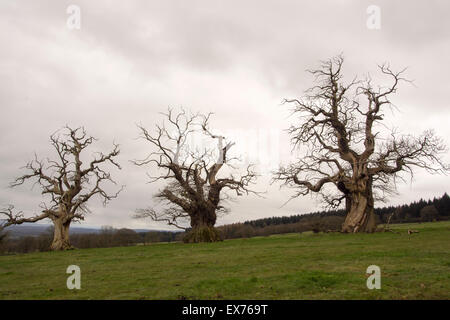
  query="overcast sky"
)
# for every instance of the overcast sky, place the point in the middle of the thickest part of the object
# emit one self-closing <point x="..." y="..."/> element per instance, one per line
<point x="130" y="60"/>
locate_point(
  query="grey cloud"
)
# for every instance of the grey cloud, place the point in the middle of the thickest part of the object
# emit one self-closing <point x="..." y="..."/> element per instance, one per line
<point x="239" y="59"/>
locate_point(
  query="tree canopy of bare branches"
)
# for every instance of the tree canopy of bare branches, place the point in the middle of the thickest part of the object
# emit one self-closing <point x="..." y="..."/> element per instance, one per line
<point x="68" y="185"/>
<point x="194" y="191"/>
<point x="347" y="158"/>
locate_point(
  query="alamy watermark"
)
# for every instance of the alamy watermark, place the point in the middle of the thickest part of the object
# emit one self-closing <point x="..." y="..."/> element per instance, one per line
<point x="374" y="279"/>
<point x="74" y="280"/>
<point x="74" y="20"/>
<point x="260" y="147"/>
<point x="374" y="19"/>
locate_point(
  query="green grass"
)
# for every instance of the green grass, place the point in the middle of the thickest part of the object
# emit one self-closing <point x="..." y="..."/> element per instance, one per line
<point x="293" y="266"/>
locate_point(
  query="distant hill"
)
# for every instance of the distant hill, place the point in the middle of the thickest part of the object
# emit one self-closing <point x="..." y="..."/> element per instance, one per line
<point x="34" y="230"/>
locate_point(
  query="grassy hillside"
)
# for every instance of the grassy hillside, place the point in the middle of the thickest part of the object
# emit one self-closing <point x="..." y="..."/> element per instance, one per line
<point x="293" y="266"/>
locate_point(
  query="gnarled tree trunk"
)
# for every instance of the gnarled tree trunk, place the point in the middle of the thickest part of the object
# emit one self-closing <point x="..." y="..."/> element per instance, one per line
<point x="202" y="224"/>
<point x="61" y="235"/>
<point x="360" y="215"/>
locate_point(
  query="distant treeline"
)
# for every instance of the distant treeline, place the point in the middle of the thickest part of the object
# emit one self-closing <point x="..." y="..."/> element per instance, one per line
<point x="413" y="212"/>
<point x="322" y="221"/>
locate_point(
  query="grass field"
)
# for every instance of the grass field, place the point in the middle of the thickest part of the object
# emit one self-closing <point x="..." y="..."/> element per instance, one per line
<point x="293" y="266"/>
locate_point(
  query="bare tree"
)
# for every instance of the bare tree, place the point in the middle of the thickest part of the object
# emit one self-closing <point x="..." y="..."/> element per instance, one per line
<point x="68" y="185"/>
<point x="194" y="191"/>
<point x="3" y="234"/>
<point x="345" y="150"/>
